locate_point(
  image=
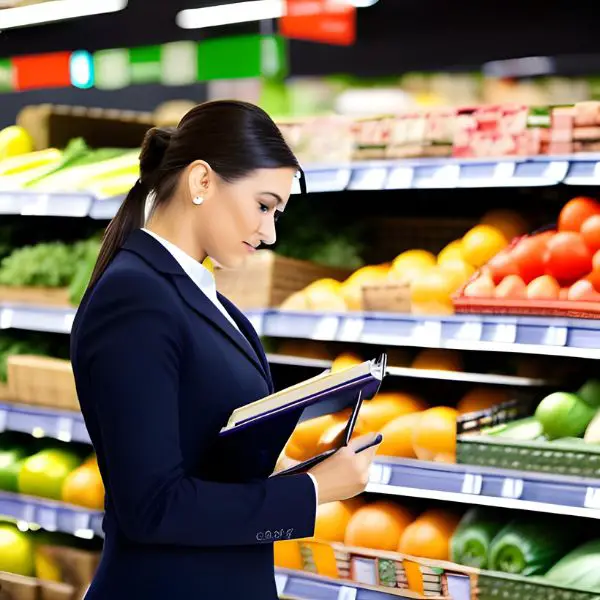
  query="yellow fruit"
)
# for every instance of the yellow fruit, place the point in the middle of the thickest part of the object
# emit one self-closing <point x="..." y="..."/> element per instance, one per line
<point x="295" y="302"/>
<point x="450" y="253"/>
<point x="84" y="487"/>
<point x="386" y="406"/>
<point x="438" y="359"/>
<point x="345" y="361"/>
<point x="431" y="293"/>
<point x="325" y="295"/>
<point x="509" y="222"/>
<point x="397" y="436"/>
<point x="14" y="140"/>
<point x="351" y="290"/>
<point x="481" y="244"/>
<point x="434" y="436"/>
<point x="410" y="265"/>
<point x="459" y="270"/>
<point x="46" y="567"/>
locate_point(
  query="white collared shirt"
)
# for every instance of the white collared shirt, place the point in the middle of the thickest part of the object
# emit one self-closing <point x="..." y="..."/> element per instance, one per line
<point x="197" y="272"/>
<point x="205" y="281"/>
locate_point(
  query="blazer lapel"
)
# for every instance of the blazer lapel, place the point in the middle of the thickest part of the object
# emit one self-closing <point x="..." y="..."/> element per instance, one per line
<point x="158" y="257"/>
<point x="250" y="335"/>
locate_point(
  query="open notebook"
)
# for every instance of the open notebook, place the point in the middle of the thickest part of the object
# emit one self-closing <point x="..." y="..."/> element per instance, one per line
<point x="338" y="389"/>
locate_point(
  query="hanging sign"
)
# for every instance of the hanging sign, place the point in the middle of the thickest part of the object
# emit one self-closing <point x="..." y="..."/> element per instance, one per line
<point x="326" y="21"/>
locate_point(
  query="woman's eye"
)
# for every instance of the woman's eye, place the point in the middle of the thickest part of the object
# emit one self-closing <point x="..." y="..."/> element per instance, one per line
<point x="264" y="208"/>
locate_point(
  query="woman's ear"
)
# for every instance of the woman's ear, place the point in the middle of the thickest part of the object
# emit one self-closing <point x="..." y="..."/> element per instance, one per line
<point x="199" y="178"/>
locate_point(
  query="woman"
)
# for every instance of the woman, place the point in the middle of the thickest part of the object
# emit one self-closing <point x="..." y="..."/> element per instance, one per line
<point x="161" y="360"/>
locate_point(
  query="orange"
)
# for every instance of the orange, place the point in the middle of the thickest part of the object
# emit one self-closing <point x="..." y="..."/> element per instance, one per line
<point x="287" y="555"/>
<point x="378" y="526"/>
<point x="387" y="406"/>
<point x="429" y="536"/>
<point x="431" y="292"/>
<point x="295" y="302"/>
<point x="351" y="289"/>
<point x="460" y="270"/>
<point x="333" y="518"/>
<point x="438" y="359"/>
<point x="450" y="253"/>
<point x="325" y="295"/>
<point x="344" y="361"/>
<point x="509" y="222"/>
<point x="302" y="444"/>
<point x="480" y="398"/>
<point x="482" y="243"/>
<point x="411" y="264"/>
<point x="434" y="437"/>
<point x="397" y="437"/>
<point x="84" y="487"/>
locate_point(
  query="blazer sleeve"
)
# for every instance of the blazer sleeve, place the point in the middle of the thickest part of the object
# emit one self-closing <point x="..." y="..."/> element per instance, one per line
<point x="131" y="346"/>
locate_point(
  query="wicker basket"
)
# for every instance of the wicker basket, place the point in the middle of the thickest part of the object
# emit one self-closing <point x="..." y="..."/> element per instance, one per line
<point x="558" y="458"/>
<point x="493" y="586"/>
<point x="42" y="381"/>
<point x="267" y="279"/>
<point x="37" y="296"/>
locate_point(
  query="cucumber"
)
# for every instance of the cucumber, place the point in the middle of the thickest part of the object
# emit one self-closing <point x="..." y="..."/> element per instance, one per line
<point x="578" y="569"/>
<point x="530" y="547"/>
<point x="471" y="541"/>
<point x="525" y="430"/>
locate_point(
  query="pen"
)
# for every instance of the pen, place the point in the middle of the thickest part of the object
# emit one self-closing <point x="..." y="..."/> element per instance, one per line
<point x="374" y="442"/>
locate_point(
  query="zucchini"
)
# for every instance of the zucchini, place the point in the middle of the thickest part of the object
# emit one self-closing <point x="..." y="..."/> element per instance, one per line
<point x="470" y="544"/>
<point x="578" y="569"/>
<point x="525" y="430"/>
<point x="530" y="547"/>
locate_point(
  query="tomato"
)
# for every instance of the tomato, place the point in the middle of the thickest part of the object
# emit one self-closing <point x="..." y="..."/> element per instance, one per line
<point x="583" y="290"/>
<point x="482" y="287"/>
<point x="575" y="212"/>
<point x="511" y="287"/>
<point x="543" y="288"/>
<point x="528" y="255"/>
<point x="590" y="232"/>
<point x="567" y="257"/>
<point x="501" y="266"/>
<point x="594" y="278"/>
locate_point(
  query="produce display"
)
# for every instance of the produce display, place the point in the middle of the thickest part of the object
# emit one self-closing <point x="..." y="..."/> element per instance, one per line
<point x="427" y="283"/>
<point x="559" y="265"/>
<point x="50" y="469"/>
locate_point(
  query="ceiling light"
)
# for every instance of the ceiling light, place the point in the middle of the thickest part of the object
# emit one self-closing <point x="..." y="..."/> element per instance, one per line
<point x="240" y="12"/>
<point x="56" y="10"/>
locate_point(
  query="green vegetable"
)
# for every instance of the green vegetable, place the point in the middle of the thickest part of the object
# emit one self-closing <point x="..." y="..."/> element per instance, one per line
<point x="527" y="430"/>
<point x="530" y="547"/>
<point x="87" y="262"/>
<point x="589" y="392"/>
<point x="564" y="415"/>
<point x="472" y="538"/>
<point x="578" y="569"/>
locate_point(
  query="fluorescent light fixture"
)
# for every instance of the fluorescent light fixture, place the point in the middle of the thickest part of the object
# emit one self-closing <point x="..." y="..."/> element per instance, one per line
<point x="240" y="12"/>
<point x="56" y="10"/>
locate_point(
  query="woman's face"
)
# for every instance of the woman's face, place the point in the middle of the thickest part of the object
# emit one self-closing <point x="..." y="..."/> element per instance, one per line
<point x="235" y="218"/>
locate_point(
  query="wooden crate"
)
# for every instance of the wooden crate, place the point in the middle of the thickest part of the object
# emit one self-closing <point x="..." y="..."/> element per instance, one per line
<point x="267" y="279"/>
<point x="387" y="298"/>
<point x="38" y="296"/>
<point x="42" y="381"/>
<point x="16" y="587"/>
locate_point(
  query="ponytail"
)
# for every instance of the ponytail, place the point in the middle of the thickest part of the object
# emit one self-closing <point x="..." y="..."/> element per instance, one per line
<point x="131" y="213"/>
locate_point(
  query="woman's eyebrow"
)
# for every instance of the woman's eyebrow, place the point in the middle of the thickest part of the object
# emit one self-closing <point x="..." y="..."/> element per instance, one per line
<point x="274" y="195"/>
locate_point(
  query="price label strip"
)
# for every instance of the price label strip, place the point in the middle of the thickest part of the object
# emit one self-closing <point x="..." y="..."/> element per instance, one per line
<point x="380" y="474"/>
<point x="326" y="328"/>
<point x="472" y="484"/>
<point x="351" y="329"/>
<point x="592" y="498"/>
<point x="347" y="593"/>
<point x="281" y="580"/>
<point x="512" y="488"/>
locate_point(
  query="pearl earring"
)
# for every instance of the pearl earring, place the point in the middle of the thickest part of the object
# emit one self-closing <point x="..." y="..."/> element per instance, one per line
<point x="198" y="200"/>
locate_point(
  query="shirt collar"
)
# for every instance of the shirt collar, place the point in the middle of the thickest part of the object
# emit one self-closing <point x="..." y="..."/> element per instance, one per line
<point x="195" y="270"/>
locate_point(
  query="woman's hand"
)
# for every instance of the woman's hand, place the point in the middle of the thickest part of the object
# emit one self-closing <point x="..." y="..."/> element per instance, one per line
<point x="346" y="473"/>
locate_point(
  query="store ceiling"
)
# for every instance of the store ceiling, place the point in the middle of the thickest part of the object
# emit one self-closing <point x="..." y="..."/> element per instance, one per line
<point x="393" y="35"/>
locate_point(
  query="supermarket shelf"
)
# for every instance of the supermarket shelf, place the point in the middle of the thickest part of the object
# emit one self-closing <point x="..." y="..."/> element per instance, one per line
<point x="486" y="486"/>
<point x="528" y="335"/>
<point x="51" y="515"/>
<point x="410" y="373"/>
<point x="306" y="586"/>
<point x="67" y="426"/>
<point x="425" y="173"/>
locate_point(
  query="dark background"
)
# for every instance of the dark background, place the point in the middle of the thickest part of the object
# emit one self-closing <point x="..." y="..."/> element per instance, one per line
<point x="394" y="36"/>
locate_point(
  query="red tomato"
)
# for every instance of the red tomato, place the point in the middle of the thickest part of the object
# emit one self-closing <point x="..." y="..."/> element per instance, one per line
<point x="528" y="255"/>
<point x="590" y="232"/>
<point x="501" y="266"/>
<point x="511" y="287"/>
<point x="563" y="294"/>
<point x="575" y="212"/>
<point x="543" y="288"/>
<point x="567" y="257"/>
<point x="594" y="279"/>
<point x="596" y="260"/>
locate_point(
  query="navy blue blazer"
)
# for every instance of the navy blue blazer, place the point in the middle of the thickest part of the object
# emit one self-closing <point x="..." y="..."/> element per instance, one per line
<point x="159" y="370"/>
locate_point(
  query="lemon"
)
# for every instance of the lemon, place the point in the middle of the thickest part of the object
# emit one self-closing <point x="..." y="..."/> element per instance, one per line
<point x="14" y="140"/>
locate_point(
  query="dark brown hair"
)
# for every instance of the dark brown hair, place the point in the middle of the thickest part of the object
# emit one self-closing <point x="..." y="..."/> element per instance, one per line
<point x="233" y="137"/>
